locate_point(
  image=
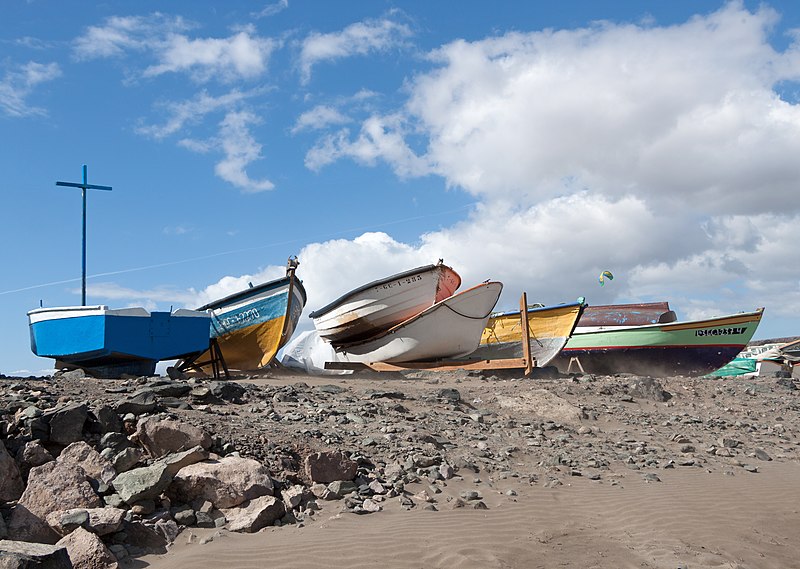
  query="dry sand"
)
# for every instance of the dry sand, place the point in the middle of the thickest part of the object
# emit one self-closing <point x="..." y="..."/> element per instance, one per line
<point x="724" y="511"/>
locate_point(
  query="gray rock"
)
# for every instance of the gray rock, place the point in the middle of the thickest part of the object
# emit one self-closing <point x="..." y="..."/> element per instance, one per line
<point x="225" y="483"/>
<point x="326" y="467"/>
<point x="761" y="454"/>
<point x="255" y="514"/>
<point x="108" y="419"/>
<point x="11" y="485"/>
<point x="342" y="487"/>
<point x="142" y="483"/>
<point x="127" y="459"/>
<point x="142" y="401"/>
<point x="177" y="461"/>
<point x="51" y="487"/>
<point x="163" y="436"/>
<point x="649" y="388"/>
<point x="24" y="555"/>
<point x="66" y="423"/>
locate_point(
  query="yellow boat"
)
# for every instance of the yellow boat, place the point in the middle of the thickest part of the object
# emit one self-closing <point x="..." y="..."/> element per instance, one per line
<point x="550" y="329"/>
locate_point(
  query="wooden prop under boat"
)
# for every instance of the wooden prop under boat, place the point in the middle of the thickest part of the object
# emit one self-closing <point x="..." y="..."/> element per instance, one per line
<point x="377" y="306"/>
<point x="450" y="328"/>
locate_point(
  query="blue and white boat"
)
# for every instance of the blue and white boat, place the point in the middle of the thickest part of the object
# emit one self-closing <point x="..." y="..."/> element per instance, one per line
<point x="109" y="342"/>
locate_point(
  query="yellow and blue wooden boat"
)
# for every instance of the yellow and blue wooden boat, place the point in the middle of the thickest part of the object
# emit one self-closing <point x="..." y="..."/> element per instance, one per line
<point x="250" y="326"/>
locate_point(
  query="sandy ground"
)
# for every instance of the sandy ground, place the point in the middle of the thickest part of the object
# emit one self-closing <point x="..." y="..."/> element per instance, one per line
<point x="723" y="511"/>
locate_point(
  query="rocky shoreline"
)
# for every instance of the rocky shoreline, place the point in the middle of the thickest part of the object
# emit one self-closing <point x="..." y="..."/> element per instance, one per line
<point x="98" y="473"/>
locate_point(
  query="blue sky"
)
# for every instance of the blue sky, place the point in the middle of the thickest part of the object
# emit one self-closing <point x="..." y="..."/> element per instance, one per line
<point x="536" y="143"/>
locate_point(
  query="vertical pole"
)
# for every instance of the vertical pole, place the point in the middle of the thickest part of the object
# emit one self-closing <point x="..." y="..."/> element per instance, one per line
<point x="526" y="334"/>
<point x="83" y="249"/>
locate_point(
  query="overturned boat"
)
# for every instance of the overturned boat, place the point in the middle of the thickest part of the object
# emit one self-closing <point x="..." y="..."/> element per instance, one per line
<point x="694" y="347"/>
<point x="110" y="342"/>
<point x="379" y="305"/>
<point x="451" y="328"/>
<point x="549" y="328"/>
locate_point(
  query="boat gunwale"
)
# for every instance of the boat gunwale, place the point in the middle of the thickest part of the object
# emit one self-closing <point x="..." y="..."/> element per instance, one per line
<point x="243" y="294"/>
<point x="537" y="309"/>
<point x="683" y="324"/>
<point x="341" y="300"/>
<point x="433" y="308"/>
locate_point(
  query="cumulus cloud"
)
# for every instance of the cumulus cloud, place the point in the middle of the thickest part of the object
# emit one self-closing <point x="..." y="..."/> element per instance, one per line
<point x="18" y="84"/>
<point x="243" y="55"/>
<point x="122" y="34"/>
<point x="240" y="150"/>
<point x="194" y="111"/>
<point x="672" y="113"/>
<point x="321" y="116"/>
<point x="272" y="9"/>
<point x="360" y="38"/>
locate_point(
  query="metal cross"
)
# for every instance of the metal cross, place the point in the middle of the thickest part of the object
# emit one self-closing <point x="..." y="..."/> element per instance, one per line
<point x="84" y="186"/>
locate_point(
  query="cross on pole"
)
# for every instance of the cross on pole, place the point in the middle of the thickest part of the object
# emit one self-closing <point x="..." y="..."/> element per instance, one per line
<point x="84" y="186"/>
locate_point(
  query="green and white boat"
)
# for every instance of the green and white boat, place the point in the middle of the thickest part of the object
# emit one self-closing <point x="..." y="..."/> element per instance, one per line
<point x="695" y="347"/>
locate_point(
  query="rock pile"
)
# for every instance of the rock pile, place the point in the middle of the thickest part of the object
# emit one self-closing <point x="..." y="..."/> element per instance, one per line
<point x="113" y="469"/>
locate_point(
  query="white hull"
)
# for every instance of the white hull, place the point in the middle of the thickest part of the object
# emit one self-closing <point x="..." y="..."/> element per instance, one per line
<point x="377" y="306"/>
<point x="451" y="328"/>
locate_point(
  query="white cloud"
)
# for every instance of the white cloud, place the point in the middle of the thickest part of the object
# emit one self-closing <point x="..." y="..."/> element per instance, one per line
<point x="381" y="137"/>
<point x="670" y="113"/>
<point x="241" y="56"/>
<point x="321" y="116"/>
<point x="194" y="110"/>
<point x="240" y="150"/>
<point x="122" y="34"/>
<point x="148" y="298"/>
<point x="360" y="38"/>
<point x="18" y="84"/>
<point x="272" y="9"/>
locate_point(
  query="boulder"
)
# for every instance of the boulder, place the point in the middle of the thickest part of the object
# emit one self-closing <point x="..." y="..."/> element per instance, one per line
<point x="255" y="514"/>
<point x="108" y="419"/>
<point x="33" y="454"/>
<point x="142" y="401"/>
<point x="51" y="487"/>
<point x="649" y="388"/>
<point x="225" y="483"/>
<point x="142" y="483"/>
<point x="11" y="485"/>
<point x="87" y="551"/>
<point x="179" y="460"/>
<point x="101" y="521"/>
<point x="86" y="457"/>
<point x="23" y="555"/>
<point x="326" y="467"/>
<point x="66" y="423"/>
<point x="163" y="436"/>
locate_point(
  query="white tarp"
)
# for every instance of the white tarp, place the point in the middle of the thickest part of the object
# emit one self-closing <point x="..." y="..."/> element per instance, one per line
<point x="309" y="352"/>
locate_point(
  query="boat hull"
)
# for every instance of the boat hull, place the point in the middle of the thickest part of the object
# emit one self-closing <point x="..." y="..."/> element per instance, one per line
<point x="677" y="348"/>
<point x="550" y="328"/>
<point x="451" y="328"/>
<point x="251" y="326"/>
<point x="377" y="306"/>
<point x="106" y="341"/>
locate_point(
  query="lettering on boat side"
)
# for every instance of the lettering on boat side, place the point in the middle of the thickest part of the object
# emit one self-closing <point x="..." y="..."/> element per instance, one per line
<point x="245" y="316"/>
<point x="721" y="331"/>
<point x="399" y="283"/>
